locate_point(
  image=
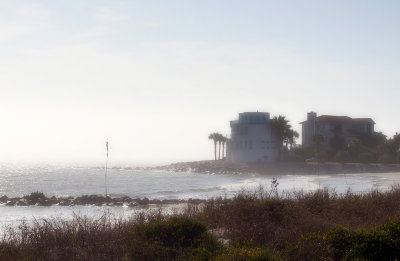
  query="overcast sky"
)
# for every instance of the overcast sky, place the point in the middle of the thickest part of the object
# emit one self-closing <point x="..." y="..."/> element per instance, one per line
<point x="155" y="77"/>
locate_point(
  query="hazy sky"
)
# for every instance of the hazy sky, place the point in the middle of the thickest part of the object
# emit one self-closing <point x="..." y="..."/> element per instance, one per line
<point x="156" y="77"/>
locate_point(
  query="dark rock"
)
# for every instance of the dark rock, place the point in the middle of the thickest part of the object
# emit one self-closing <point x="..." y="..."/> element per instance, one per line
<point x="133" y="204"/>
<point x="155" y="201"/>
<point x="10" y="203"/>
<point x="4" y="199"/>
<point x="144" y="201"/>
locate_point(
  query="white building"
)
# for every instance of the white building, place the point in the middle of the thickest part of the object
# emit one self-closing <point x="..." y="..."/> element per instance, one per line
<point x="252" y="139"/>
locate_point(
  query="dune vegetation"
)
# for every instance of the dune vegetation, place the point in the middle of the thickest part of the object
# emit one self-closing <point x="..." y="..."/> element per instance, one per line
<point x="257" y="225"/>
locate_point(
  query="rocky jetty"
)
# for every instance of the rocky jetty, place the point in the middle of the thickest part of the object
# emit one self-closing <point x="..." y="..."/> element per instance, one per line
<point x="206" y="166"/>
<point x="39" y="199"/>
<point x="277" y="168"/>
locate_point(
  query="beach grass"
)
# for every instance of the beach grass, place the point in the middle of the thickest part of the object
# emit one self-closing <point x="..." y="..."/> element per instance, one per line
<point x="254" y="225"/>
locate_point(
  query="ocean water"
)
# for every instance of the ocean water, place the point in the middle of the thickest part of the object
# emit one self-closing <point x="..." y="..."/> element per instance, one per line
<point x="124" y="181"/>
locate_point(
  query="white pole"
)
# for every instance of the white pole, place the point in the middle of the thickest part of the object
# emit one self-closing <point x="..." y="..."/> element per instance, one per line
<point x="105" y="176"/>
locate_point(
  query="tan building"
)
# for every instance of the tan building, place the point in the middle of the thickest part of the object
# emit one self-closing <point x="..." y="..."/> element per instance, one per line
<point x="329" y="126"/>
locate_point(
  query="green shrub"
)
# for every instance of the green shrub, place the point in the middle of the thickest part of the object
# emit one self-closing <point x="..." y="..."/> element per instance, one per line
<point x="339" y="241"/>
<point x="308" y="247"/>
<point x="171" y="239"/>
<point x="248" y="254"/>
<point x="380" y="243"/>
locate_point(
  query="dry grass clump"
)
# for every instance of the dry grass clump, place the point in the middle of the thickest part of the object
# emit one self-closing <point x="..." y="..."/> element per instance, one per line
<point x="266" y="218"/>
<point x="149" y="236"/>
<point x="57" y="239"/>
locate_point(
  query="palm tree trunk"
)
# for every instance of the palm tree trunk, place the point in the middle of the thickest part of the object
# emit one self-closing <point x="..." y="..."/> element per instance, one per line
<point x="215" y="150"/>
<point x="219" y="151"/>
<point x="280" y="151"/>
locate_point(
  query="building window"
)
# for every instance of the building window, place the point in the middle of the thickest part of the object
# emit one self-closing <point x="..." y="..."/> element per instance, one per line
<point x="251" y="144"/>
<point x="245" y="131"/>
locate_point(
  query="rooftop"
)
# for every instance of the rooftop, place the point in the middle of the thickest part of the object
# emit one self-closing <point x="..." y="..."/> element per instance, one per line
<point x="252" y="118"/>
<point x="340" y="119"/>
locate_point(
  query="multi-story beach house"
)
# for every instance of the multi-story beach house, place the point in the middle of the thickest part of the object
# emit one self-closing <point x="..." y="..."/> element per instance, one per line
<point x="329" y="126"/>
<point x="252" y="139"/>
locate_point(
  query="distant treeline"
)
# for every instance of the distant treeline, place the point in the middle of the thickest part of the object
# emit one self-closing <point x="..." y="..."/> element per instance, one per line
<point x="367" y="148"/>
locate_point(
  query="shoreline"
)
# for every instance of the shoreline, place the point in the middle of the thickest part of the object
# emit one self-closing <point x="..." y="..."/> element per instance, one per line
<point x="277" y="168"/>
<point x="205" y="167"/>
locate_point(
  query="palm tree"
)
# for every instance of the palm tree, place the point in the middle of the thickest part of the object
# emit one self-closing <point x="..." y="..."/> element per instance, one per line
<point x="290" y="138"/>
<point x="280" y="127"/>
<point x="284" y="133"/>
<point x="220" y="139"/>
<point x="293" y="141"/>
<point x="214" y="136"/>
<point x="219" y="146"/>
<point x="224" y="140"/>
